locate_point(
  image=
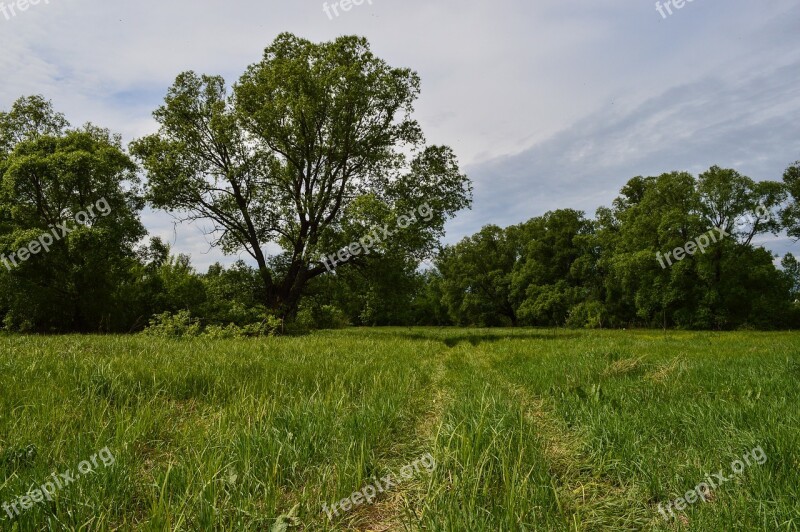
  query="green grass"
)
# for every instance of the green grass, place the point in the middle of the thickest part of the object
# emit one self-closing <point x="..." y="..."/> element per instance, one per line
<point x="530" y="429"/>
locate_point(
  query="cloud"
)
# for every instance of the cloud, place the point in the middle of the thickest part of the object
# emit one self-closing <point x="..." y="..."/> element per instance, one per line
<point x="751" y="123"/>
<point x="548" y="104"/>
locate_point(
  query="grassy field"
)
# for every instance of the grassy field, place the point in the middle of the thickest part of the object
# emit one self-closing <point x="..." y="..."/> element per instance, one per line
<point x="529" y="430"/>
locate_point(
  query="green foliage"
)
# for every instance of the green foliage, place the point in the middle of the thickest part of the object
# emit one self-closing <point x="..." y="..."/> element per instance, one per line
<point x="562" y="269"/>
<point x="791" y="268"/>
<point x="270" y="325"/>
<point x="284" y="160"/>
<point x="217" y="332"/>
<point x="29" y="118"/>
<point x="320" y="317"/>
<point x="169" y="325"/>
<point x="427" y="306"/>
<point x="48" y="175"/>
<point x="588" y="315"/>
<point x="310" y="149"/>
<point x="476" y="278"/>
<point x="182" y="325"/>
<point x="790" y="215"/>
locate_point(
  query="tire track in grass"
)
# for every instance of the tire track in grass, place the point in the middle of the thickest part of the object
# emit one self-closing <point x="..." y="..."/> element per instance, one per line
<point x="589" y="501"/>
<point x="387" y="514"/>
<point x="493" y="474"/>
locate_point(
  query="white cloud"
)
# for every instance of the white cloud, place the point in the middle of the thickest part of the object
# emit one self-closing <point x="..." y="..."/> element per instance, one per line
<point x="549" y="104"/>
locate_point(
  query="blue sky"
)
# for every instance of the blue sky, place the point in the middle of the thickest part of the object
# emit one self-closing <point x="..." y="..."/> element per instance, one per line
<point x="548" y="104"/>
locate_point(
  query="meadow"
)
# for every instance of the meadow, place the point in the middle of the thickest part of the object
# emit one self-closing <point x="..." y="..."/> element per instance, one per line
<point x="530" y="430"/>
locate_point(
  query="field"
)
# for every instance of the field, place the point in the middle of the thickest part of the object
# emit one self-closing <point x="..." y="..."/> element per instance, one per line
<point x="528" y="430"/>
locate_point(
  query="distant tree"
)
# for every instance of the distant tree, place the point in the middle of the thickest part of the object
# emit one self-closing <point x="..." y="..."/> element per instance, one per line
<point x="476" y="278"/>
<point x="553" y="271"/>
<point x="791" y="268"/>
<point x="790" y="216"/>
<point x="381" y="291"/>
<point x="741" y="206"/>
<point x="309" y="133"/>
<point x="728" y="284"/>
<point x="428" y="305"/>
<point x="159" y="282"/>
<point x="233" y="295"/>
<point x="651" y="215"/>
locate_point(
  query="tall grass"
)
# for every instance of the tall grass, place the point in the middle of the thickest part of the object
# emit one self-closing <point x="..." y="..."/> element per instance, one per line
<point x="530" y="430"/>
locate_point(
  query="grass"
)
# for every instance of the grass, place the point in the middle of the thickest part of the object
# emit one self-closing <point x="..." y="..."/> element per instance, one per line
<point x="530" y="429"/>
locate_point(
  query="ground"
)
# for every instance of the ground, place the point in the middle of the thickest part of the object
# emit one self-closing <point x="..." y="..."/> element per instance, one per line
<point x="525" y="430"/>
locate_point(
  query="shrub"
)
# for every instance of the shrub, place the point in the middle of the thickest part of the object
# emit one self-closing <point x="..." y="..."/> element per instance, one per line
<point x="178" y="325"/>
<point x="321" y="317"/>
<point x="588" y="315"/>
<point x="270" y="325"/>
<point x="182" y="324"/>
<point x="220" y="332"/>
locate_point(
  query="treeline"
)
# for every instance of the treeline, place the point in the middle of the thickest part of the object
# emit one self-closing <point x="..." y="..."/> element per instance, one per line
<point x="314" y="149"/>
<point x="559" y="269"/>
<point x="563" y="269"/>
<point x="610" y="271"/>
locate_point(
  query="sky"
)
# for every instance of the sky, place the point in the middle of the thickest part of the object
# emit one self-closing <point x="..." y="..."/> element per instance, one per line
<point x="547" y="103"/>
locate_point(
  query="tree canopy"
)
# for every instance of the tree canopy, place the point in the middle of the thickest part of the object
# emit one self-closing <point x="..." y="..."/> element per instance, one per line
<point x="67" y="199"/>
<point x="561" y="269"/>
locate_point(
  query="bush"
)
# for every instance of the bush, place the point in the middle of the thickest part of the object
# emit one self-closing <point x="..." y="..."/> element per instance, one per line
<point x="321" y="317"/>
<point x="168" y="325"/>
<point x="270" y="325"/>
<point x="220" y="332"/>
<point x="587" y="315"/>
<point x="182" y="324"/>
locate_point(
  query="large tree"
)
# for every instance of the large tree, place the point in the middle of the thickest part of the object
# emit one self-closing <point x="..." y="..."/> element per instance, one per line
<point x="554" y="270"/>
<point x="313" y="147"/>
<point x="723" y="286"/>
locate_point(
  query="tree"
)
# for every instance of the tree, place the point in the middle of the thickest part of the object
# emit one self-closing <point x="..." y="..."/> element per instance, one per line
<point x="791" y="268"/>
<point x="790" y="216"/>
<point x="310" y="135"/>
<point x="718" y="286"/>
<point x="732" y="269"/>
<point x="651" y="215"/>
<point x="553" y="270"/>
<point x="476" y="278"/>
<point x="736" y="203"/>
<point x="428" y="306"/>
<point x="68" y="221"/>
<point x="30" y="117"/>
